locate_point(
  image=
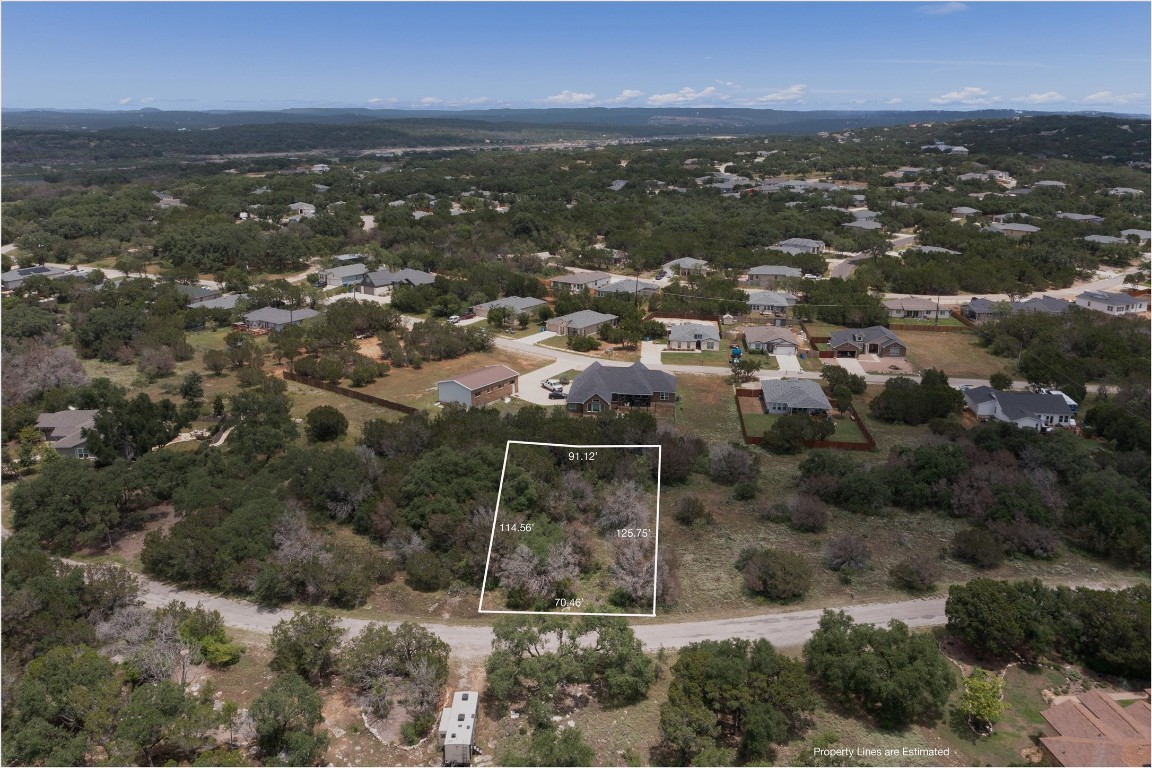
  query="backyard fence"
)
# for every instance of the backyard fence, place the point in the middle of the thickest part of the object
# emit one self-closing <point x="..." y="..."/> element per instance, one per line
<point x="869" y="443"/>
<point x="346" y="392"/>
<point x="959" y="315"/>
<point x="928" y="328"/>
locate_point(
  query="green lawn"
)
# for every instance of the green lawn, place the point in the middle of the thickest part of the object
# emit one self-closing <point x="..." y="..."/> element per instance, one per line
<point x="715" y="358"/>
<point x="914" y="321"/>
<point x="707" y="408"/>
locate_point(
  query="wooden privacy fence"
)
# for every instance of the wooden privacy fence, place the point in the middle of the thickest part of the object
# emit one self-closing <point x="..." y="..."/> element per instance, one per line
<point x="959" y="315"/>
<point x="868" y="445"/>
<point x="346" y="392"/>
<point x="928" y="328"/>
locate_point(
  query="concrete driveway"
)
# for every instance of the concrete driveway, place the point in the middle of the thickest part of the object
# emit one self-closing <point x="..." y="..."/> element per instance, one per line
<point x="788" y="363"/>
<point x="851" y="365"/>
<point x="536" y="338"/>
<point x="650" y="352"/>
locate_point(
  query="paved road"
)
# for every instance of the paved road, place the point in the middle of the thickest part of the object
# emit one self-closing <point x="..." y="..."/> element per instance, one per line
<point x="1105" y="281"/>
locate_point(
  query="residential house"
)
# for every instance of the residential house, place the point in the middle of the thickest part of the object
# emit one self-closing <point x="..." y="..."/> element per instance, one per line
<point x="983" y="310"/>
<point x="64" y="431"/>
<point x="586" y="322"/>
<point x="1013" y="229"/>
<point x="197" y="294"/>
<point x="1027" y="410"/>
<point x="704" y="337"/>
<point x="903" y="171"/>
<point x="786" y="396"/>
<point x="913" y="308"/>
<point x="303" y="210"/>
<point x="1111" y="303"/>
<point x="226" y="301"/>
<point x="1104" y="240"/>
<point x="1089" y="218"/>
<point x="913" y="186"/>
<point x="770" y="302"/>
<point x="770" y="275"/>
<point x="1044" y="304"/>
<point x="276" y="319"/>
<point x="1092" y="728"/>
<point x="947" y="149"/>
<point x="935" y="249"/>
<point x="864" y="224"/>
<point x="600" y="388"/>
<point x="796" y="245"/>
<point x="1124" y="191"/>
<point x="770" y="339"/>
<point x="514" y="304"/>
<point x="15" y="278"/>
<point x="964" y="211"/>
<point x="349" y="274"/>
<point x="350" y="258"/>
<point x="631" y="286"/>
<point x="876" y="340"/>
<point x="1050" y="183"/>
<point x="1143" y="234"/>
<point x="579" y="281"/>
<point x="686" y="266"/>
<point x="863" y="214"/>
<point x="383" y="281"/>
<point x="479" y="387"/>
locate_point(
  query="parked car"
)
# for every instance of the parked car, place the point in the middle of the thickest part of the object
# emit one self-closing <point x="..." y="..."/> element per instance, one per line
<point x="552" y="384"/>
<point x="467" y="315"/>
<point x="556" y="395"/>
<point x="454" y="319"/>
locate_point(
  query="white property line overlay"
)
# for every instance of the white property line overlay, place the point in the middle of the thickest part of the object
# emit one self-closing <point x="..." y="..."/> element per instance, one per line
<point x="496" y="516"/>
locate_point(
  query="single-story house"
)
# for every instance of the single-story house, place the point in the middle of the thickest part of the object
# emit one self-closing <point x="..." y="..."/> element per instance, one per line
<point x="1144" y="234"/>
<point x="1111" y="303"/>
<point x="796" y="245"/>
<point x="586" y="322"/>
<point x="227" y="301"/>
<point x="1050" y="183"/>
<point x="15" y="278"/>
<point x="1085" y="217"/>
<point x="197" y="293"/>
<point x="600" y="388"/>
<point x="864" y="224"/>
<point x="1092" y="728"/>
<point x="913" y="186"/>
<point x="350" y="258"/>
<point x="694" y="336"/>
<point x="935" y="249"/>
<point x="983" y="310"/>
<point x="863" y="214"/>
<point x="349" y="274"/>
<point x="579" y="281"/>
<point x="630" y="286"/>
<point x="1013" y="229"/>
<point x="383" y="281"/>
<point x="687" y="266"/>
<point x="276" y="319"/>
<point x="770" y="275"/>
<point x="303" y="210"/>
<point x="902" y="172"/>
<point x="515" y="304"/>
<point x="1104" y="240"/>
<point x="1047" y="304"/>
<point x="770" y="339"/>
<point x="770" y="301"/>
<point x="784" y="396"/>
<point x="965" y="211"/>
<point x="914" y="308"/>
<point x="1027" y="410"/>
<point x="875" y="340"/>
<point x="1122" y="191"/>
<point x="479" y="387"/>
<point x="63" y="430"/>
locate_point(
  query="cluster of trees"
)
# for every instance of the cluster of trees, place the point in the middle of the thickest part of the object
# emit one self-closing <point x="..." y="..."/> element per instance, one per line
<point x="732" y="702"/>
<point x="1106" y="630"/>
<point x="908" y="401"/>
<point x="1020" y="490"/>
<point x="842" y="302"/>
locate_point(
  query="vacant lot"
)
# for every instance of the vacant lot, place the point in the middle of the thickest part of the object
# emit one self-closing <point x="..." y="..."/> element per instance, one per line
<point x="957" y="354"/>
<point x="716" y="358"/>
<point x="605" y="352"/>
<point x="707" y="408"/>
<point x="417" y="386"/>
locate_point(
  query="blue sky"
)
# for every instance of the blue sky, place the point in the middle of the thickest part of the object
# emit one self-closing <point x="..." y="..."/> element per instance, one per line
<point x="433" y="55"/>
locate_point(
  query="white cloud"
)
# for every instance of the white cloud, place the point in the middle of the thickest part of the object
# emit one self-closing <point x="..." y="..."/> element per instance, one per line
<point x="1108" y="97"/>
<point x="628" y="94"/>
<point x="727" y="83"/>
<point x="894" y="101"/>
<point x="792" y="93"/>
<point x="125" y="101"/>
<point x="969" y="96"/>
<point x="684" y="96"/>
<point x="857" y="101"/>
<point x="942" y="9"/>
<point x="129" y="100"/>
<point x="570" y="97"/>
<point x="429" y="101"/>
<point x="379" y="100"/>
<point x="1048" y="97"/>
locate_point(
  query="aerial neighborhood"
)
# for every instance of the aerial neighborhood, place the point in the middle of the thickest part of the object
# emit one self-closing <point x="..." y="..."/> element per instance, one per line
<point x="467" y="444"/>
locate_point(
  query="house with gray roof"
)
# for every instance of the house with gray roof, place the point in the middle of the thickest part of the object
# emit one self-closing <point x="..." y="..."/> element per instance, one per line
<point x="515" y="304"/>
<point x="864" y="224"/>
<point x="1104" y="240"/>
<point x="600" y="388"/>
<point x="701" y="336"/>
<point x="1013" y="229"/>
<point x="350" y="258"/>
<point x="338" y="277"/>
<point x="197" y="294"/>
<point x="1027" y="410"/>
<point x="1124" y="191"/>
<point x="383" y="281"/>
<point x="914" y="308"/>
<point x="1050" y="183"/>
<point x="770" y="339"/>
<point x="579" y="281"/>
<point x="1088" y="218"/>
<point x="631" y="286"/>
<point x="64" y="431"/>
<point x="1111" y="303"/>
<point x="770" y="302"/>
<point x="1144" y="234"/>
<point x="934" y="249"/>
<point x="686" y="266"/>
<point x="303" y="210"/>
<point x="796" y="245"/>
<point x="770" y="275"/>
<point x="227" y="301"/>
<point x="964" y="211"/>
<point x="277" y="319"/>
<point x="586" y="322"/>
<point x="981" y="310"/>
<point x="875" y="340"/>
<point x="785" y="396"/>
<point x="13" y="279"/>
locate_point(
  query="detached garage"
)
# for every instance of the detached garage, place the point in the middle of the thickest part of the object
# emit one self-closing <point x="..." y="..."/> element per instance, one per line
<point x="479" y="387"/>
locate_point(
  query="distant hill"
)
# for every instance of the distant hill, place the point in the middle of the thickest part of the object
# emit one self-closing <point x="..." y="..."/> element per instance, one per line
<point x="652" y="120"/>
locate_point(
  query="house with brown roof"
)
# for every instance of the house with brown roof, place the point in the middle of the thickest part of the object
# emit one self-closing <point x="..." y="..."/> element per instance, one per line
<point x="1092" y="729"/>
<point x="479" y="387"/>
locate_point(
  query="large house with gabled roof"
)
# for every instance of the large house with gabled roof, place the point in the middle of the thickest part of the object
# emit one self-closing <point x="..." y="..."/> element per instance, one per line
<point x="600" y="388"/>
